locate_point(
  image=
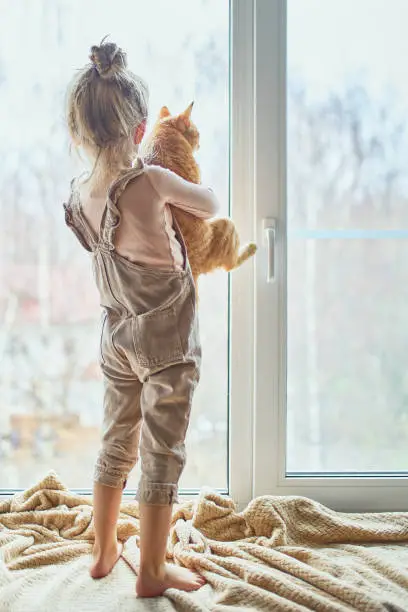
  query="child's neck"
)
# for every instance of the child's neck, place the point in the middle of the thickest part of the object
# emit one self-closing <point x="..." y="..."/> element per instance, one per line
<point x="106" y="166"/>
<point x="103" y="176"/>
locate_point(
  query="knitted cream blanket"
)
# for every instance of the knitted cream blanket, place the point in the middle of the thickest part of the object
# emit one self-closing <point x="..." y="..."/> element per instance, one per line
<point x="280" y="553"/>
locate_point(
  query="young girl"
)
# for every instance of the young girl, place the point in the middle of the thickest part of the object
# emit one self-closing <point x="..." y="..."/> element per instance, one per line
<point x="150" y="350"/>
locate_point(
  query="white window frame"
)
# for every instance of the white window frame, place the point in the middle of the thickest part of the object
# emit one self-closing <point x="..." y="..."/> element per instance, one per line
<point x="242" y="302"/>
<point x="269" y="316"/>
<point x="257" y="423"/>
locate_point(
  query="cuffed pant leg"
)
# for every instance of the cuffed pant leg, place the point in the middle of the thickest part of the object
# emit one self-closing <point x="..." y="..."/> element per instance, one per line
<point x="166" y="404"/>
<point x="121" y="428"/>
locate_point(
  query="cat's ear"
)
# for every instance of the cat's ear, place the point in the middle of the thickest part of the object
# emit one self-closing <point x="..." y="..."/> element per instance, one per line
<point x="164" y="112"/>
<point x="188" y="111"/>
<point x="183" y="121"/>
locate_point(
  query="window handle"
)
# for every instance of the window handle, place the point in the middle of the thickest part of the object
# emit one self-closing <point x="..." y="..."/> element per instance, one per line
<point x="269" y="228"/>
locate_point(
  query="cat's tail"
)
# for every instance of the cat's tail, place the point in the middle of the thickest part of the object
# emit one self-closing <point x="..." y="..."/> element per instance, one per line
<point x="248" y="251"/>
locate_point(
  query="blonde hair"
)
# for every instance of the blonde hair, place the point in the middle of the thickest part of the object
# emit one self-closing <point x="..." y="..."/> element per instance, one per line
<point x="106" y="102"/>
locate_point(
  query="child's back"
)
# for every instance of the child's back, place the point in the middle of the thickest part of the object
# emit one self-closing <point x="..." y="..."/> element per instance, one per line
<point x="146" y="234"/>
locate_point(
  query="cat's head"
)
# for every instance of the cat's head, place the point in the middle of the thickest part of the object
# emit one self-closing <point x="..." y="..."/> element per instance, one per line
<point x="183" y="124"/>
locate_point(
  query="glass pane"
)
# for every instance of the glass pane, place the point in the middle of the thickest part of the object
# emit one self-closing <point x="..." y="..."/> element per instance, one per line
<point x="347" y="236"/>
<point x="50" y="385"/>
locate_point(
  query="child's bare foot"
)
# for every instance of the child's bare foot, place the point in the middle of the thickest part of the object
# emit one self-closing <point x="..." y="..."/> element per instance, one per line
<point x="104" y="562"/>
<point x="150" y="584"/>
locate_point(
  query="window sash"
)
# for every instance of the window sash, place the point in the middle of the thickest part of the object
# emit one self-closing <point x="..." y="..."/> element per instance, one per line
<point x="241" y="300"/>
<point x="341" y="492"/>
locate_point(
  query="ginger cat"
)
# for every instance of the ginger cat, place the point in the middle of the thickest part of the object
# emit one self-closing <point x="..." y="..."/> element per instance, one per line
<point x="210" y="244"/>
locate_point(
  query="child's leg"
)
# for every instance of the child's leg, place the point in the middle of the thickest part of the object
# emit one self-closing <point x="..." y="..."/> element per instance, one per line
<point x="107" y="549"/>
<point x="116" y="459"/>
<point x="166" y="402"/>
<point x="155" y="576"/>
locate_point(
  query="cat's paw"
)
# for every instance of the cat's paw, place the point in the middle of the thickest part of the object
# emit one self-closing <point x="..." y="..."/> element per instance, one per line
<point x="248" y="251"/>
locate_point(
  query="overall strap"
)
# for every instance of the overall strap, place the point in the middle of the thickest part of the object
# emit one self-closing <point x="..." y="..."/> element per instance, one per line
<point x="73" y="219"/>
<point x="111" y="215"/>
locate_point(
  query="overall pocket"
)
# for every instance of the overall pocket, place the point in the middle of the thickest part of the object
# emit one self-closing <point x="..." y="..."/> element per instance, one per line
<point x="156" y="338"/>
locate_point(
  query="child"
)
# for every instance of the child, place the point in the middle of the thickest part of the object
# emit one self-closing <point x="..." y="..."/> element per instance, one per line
<point x="150" y="349"/>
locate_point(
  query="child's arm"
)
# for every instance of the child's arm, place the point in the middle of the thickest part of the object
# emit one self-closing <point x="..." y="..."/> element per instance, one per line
<point x="195" y="199"/>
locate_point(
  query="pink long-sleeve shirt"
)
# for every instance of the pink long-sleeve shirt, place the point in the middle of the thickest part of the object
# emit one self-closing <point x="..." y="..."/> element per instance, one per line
<point x="146" y="234"/>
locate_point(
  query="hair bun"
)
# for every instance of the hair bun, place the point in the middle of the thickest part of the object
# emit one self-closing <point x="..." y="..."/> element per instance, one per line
<point x="107" y="58"/>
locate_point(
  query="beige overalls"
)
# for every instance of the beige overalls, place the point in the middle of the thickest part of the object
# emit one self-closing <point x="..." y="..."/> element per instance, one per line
<point x="150" y="357"/>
